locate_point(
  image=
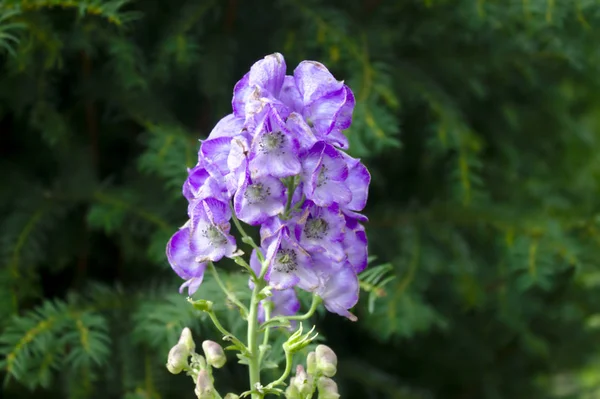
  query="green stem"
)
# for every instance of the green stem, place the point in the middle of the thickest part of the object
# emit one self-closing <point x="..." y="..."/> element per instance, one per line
<point x="288" y="369"/>
<point x="245" y="237"/>
<point x="228" y="293"/>
<point x="254" y="355"/>
<point x="266" y="333"/>
<point x="316" y="300"/>
<point x="222" y="329"/>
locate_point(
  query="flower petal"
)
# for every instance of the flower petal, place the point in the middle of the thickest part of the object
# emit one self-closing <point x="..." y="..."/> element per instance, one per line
<point x="314" y="81"/>
<point x="340" y="292"/>
<point x="268" y="73"/>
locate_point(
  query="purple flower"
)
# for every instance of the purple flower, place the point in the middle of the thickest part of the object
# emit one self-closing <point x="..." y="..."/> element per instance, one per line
<point x="274" y="150"/>
<point x="203" y="182"/>
<point x="322" y="230"/>
<point x="183" y="261"/>
<point x="259" y="199"/>
<point x="289" y="264"/>
<point x="210" y="238"/>
<point x="339" y="291"/>
<point x="325" y="172"/>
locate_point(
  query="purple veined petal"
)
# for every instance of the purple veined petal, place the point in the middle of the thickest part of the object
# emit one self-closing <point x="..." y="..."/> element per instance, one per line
<point x="324" y="266"/>
<point x="289" y="264"/>
<point x="321" y="113"/>
<point x="323" y="231"/>
<point x="241" y="92"/>
<point x="290" y="96"/>
<point x="180" y="255"/>
<point x="210" y="238"/>
<point x="356" y="246"/>
<point x="201" y="184"/>
<point x="314" y="80"/>
<point x="192" y="285"/>
<point x="217" y="212"/>
<point x="325" y="172"/>
<point x="343" y="119"/>
<point x="268" y="73"/>
<point x="259" y="105"/>
<point x="259" y="199"/>
<point x="337" y="138"/>
<point x="237" y="163"/>
<point x="340" y="292"/>
<point x="228" y="126"/>
<point x="274" y="150"/>
<point x="183" y="261"/>
<point x="270" y="229"/>
<point x="299" y="129"/>
<point x="358" y="182"/>
<point x="216" y="152"/>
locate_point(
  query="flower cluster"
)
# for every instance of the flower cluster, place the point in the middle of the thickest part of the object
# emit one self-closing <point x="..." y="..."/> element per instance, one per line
<point x="276" y="161"/>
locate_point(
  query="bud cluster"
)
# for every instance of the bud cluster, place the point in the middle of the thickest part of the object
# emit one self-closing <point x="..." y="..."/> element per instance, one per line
<point x="321" y="365"/>
<point x="199" y="368"/>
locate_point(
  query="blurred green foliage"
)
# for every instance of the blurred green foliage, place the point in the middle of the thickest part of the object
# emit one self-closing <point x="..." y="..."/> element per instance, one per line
<point x="479" y="121"/>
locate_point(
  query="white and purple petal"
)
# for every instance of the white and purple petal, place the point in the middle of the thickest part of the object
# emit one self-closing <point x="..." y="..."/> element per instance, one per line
<point x="183" y="260"/>
<point x="340" y="292"/>
<point x="268" y="73"/>
<point x="259" y="199"/>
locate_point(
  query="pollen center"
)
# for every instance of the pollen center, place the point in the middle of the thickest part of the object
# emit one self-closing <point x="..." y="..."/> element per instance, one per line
<point x="215" y="236"/>
<point x="256" y="193"/>
<point x="271" y="141"/>
<point x="315" y="229"/>
<point x="285" y="261"/>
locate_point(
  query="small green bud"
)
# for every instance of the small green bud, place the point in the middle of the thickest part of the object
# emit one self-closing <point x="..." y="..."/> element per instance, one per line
<point x="204" y="386"/>
<point x="178" y="358"/>
<point x="292" y="392"/>
<point x="214" y="354"/>
<point x="298" y="341"/>
<point x="326" y="360"/>
<point x="202" y="304"/>
<point x="302" y="381"/>
<point x="231" y="396"/>
<point x="187" y="340"/>
<point x="327" y="388"/>
<point x="311" y="363"/>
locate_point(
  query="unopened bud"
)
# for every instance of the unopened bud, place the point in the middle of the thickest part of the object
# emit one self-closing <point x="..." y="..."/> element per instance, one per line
<point x="292" y="392"/>
<point x="301" y="381"/>
<point x="311" y="363"/>
<point x="187" y="340"/>
<point x="327" y="389"/>
<point x="326" y="360"/>
<point x="177" y="359"/>
<point x="214" y="354"/>
<point x="204" y="386"/>
<point x="231" y="396"/>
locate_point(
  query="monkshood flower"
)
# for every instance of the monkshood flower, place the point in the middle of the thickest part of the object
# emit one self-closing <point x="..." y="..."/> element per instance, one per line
<point x="183" y="261"/>
<point x="210" y="238"/>
<point x="277" y="162"/>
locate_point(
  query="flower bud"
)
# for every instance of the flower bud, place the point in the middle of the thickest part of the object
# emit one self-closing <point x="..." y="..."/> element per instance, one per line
<point x="302" y="382"/>
<point x="311" y="363"/>
<point x="177" y="359"/>
<point x="187" y="340"/>
<point x="292" y="392"/>
<point x="204" y="386"/>
<point x="231" y="396"/>
<point x="327" y="389"/>
<point x="326" y="360"/>
<point x="214" y="354"/>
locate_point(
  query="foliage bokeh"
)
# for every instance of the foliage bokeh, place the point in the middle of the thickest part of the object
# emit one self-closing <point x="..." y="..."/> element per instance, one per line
<point x="479" y="121"/>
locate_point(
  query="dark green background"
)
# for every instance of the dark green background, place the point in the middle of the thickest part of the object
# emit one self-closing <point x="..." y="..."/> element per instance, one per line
<point x="478" y="119"/>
